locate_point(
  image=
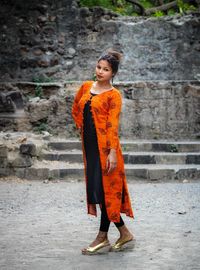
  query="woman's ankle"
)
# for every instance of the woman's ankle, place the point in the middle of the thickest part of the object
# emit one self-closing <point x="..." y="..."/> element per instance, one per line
<point x="124" y="231"/>
<point x="102" y="235"/>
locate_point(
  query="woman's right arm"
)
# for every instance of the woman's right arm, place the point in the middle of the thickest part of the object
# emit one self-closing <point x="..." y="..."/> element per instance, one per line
<point x="75" y="107"/>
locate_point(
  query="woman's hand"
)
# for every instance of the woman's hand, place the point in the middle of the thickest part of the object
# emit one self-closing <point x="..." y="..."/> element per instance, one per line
<point x="111" y="162"/>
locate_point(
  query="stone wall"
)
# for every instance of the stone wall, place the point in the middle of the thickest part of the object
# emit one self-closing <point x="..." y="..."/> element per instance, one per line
<point x="162" y="109"/>
<point x="57" y="39"/>
<point x="151" y="109"/>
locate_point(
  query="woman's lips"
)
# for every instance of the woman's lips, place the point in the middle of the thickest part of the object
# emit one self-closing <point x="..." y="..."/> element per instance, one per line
<point x="99" y="76"/>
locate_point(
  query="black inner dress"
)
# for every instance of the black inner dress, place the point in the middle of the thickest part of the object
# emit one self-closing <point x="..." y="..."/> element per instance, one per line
<point x="93" y="168"/>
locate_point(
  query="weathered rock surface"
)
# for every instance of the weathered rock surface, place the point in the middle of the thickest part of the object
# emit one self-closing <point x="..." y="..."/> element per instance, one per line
<point x="60" y="40"/>
<point x="151" y="109"/>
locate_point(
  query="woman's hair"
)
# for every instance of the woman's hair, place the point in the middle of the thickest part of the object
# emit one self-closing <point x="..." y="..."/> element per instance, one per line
<point x="113" y="58"/>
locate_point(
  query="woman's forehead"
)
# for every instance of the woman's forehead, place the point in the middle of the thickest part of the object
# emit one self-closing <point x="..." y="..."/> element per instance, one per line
<point x="104" y="63"/>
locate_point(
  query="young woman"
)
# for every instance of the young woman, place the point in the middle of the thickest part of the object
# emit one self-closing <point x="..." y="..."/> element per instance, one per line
<point x="96" y="110"/>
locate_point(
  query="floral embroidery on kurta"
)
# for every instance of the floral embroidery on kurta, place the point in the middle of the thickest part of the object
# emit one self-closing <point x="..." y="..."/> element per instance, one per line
<point x="106" y="108"/>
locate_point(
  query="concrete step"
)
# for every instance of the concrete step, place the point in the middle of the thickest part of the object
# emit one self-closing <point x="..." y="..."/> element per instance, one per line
<point x="136" y="145"/>
<point x="150" y="172"/>
<point x="130" y="157"/>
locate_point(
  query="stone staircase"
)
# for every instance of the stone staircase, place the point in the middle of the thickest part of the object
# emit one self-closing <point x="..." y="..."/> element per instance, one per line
<point x="151" y="160"/>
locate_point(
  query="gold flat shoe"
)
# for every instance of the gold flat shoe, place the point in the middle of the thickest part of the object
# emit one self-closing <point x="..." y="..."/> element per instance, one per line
<point x="101" y="248"/>
<point x="123" y="244"/>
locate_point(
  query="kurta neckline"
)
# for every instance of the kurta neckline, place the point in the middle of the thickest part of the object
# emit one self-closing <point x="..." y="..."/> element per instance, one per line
<point x="102" y="92"/>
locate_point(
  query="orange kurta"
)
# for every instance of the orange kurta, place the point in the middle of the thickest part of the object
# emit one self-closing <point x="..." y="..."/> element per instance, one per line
<point x="106" y="108"/>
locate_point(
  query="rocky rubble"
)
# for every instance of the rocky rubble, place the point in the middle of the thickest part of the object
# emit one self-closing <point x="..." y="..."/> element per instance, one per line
<point x="19" y="151"/>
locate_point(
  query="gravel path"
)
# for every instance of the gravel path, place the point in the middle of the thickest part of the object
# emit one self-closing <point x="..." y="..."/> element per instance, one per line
<point x="45" y="225"/>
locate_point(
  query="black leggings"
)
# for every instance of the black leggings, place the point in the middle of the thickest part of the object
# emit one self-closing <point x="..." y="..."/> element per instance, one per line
<point x="105" y="222"/>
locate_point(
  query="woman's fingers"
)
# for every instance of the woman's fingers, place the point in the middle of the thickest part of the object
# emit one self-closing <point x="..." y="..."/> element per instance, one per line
<point x="112" y="166"/>
<point x="107" y="164"/>
<point x="111" y="163"/>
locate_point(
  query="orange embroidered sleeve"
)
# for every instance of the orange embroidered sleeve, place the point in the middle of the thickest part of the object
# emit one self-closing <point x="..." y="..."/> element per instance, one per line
<point x="75" y="107"/>
<point x="113" y="120"/>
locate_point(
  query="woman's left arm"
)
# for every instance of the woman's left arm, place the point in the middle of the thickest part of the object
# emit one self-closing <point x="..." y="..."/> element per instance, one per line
<point x="112" y="130"/>
<point x="112" y="124"/>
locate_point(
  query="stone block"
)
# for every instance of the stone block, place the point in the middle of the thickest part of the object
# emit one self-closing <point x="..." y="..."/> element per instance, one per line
<point x="50" y="156"/>
<point x="193" y="159"/>
<point x="37" y="173"/>
<point x="19" y="172"/>
<point x="170" y="159"/>
<point x="161" y="147"/>
<point x="54" y="174"/>
<point x="3" y="162"/>
<point x="39" y="110"/>
<point x="192" y="173"/>
<point x="4" y="172"/>
<point x="65" y="145"/>
<point x="28" y="149"/>
<point x="3" y="151"/>
<point x="141" y="159"/>
<point x="70" y="172"/>
<point x="138" y="93"/>
<point x="137" y="173"/>
<point x="22" y="161"/>
<point x="162" y="174"/>
<point x="71" y="157"/>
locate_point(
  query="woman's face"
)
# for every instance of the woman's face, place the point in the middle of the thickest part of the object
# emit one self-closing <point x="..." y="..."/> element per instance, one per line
<point x="103" y="71"/>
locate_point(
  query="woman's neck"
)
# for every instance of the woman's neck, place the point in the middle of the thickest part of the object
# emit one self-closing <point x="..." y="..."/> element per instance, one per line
<point x="103" y="85"/>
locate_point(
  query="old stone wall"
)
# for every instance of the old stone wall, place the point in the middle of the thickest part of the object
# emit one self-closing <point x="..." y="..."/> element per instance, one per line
<point x="151" y="110"/>
<point x="57" y="39"/>
<point x="162" y="109"/>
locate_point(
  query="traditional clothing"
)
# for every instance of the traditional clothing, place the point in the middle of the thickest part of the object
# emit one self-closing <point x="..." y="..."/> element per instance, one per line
<point x="105" y="108"/>
<point x="93" y="170"/>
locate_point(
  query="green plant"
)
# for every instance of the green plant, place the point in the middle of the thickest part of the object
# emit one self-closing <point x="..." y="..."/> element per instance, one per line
<point x="118" y="6"/>
<point x="146" y="3"/>
<point x="92" y="3"/>
<point x="171" y="12"/>
<point x="173" y="148"/>
<point x="158" y="13"/>
<point x="42" y="79"/>
<point x="51" y="178"/>
<point x="183" y="7"/>
<point x="41" y="126"/>
<point x="124" y="8"/>
<point x="38" y="91"/>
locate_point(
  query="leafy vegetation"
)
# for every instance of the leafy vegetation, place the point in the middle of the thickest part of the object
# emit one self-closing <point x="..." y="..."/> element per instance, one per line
<point x="42" y="79"/>
<point x="38" y="87"/>
<point x="41" y="126"/>
<point x="38" y="91"/>
<point x="183" y="7"/>
<point x="123" y="7"/>
<point x="173" y="148"/>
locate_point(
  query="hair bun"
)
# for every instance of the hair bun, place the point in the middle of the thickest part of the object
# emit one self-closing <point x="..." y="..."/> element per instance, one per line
<point x="115" y="54"/>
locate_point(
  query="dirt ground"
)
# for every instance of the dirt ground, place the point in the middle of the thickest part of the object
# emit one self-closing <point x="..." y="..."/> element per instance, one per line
<point x="44" y="225"/>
